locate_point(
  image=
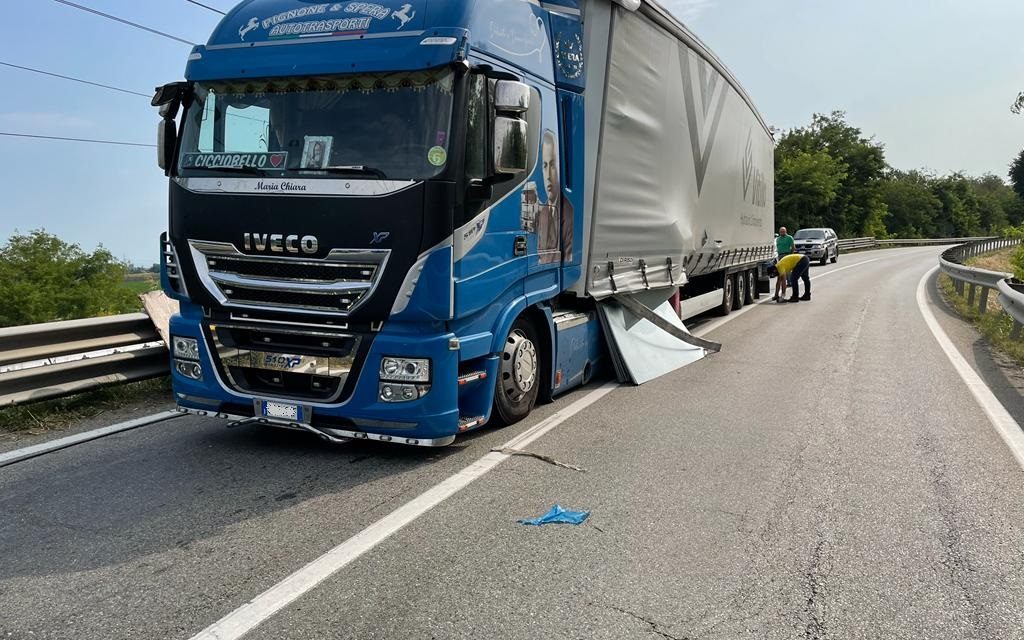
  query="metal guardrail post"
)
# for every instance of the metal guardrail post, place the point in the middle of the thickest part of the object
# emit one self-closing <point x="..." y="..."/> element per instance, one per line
<point x="970" y="295"/>
<point x="983" y="304"/>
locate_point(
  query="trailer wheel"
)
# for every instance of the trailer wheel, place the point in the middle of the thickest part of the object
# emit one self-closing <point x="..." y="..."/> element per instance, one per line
<point x="727" y="295"/>
<point x="749" y="286"/>
<point x="515" y="391"/>
<point x="738" y="290"/>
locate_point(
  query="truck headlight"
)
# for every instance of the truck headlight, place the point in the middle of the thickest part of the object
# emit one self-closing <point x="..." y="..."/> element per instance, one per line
<point x="396" y="392"/>
<point x="189" y="369"/>
<point x="405" y="369"/>
<point x="185" y="348"/>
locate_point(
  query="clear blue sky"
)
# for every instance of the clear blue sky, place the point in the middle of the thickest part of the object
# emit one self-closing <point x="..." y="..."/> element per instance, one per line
<point x="931" y="79"/>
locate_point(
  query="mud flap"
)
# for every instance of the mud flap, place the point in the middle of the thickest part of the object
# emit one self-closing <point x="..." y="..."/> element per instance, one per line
<point x="646" y="338"/>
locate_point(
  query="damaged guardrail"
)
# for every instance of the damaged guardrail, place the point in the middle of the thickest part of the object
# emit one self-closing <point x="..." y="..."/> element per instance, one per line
<point x="45" y="361"/>
<point x="978" y="283"/>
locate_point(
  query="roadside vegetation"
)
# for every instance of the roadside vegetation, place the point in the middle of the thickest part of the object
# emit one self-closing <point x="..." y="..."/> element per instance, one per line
<point x="54" y="415"/>
<point x="995" y="325"/>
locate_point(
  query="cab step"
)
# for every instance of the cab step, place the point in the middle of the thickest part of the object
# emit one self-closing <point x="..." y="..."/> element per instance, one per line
<point x="472" y="377"/>
<point x="465" y="424"/>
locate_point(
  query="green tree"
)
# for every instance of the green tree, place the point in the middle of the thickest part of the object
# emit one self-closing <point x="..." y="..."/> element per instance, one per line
<point x="913" y="208"/>
<point x="806" y="183"/>
<point x="43" y="278"/>
<point x="858" y="207"/>
<point x="1017" y="174"/>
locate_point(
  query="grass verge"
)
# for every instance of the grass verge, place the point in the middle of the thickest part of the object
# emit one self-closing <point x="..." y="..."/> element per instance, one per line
<point x="995" y="260"/>
<point x="995" y="325"/>
<point x="51" y="415"/>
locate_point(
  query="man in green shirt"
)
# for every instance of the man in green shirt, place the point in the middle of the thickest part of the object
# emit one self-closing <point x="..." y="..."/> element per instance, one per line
<point x="784" y="244"/>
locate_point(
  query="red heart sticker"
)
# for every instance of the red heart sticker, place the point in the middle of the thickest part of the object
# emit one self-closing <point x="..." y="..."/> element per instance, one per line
<point x="277" y="159"/>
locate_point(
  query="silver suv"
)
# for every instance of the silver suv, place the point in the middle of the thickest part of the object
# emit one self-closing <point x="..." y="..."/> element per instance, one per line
<point x="817" y="244"/>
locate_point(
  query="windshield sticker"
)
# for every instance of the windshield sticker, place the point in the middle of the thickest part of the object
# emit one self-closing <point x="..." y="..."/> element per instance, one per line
<point x="437" y="156"/>
<point x="268" y="161"/>
<point x="316" y="153"/>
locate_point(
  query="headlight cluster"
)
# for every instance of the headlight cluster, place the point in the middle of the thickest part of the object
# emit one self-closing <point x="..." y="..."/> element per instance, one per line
<point x="403" y="379"/>
<point x="186" y="357"/>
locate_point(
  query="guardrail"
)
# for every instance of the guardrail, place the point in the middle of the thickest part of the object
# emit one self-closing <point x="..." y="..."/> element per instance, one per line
<point x="44" y="361"/>
<point x="979" y="282"/>
<point x="855" y="244"/>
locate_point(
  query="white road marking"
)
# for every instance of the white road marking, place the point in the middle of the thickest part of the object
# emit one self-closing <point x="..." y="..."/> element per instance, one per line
<point x="264" y="606"/>
<point x="251" y="614"/>
<point x="55" y="445"/>
<point x="997" y="414"/>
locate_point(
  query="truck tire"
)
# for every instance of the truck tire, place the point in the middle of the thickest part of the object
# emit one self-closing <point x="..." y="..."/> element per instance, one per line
<point x="519" y="375"/>
<point x="749" y="278"/>
<point x="835" y="256"/>
<point x="727" y="295"/>
<point x="739" y="286"/>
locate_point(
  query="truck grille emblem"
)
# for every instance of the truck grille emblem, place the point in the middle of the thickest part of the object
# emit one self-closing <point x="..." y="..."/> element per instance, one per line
<point x="280" y="243"/>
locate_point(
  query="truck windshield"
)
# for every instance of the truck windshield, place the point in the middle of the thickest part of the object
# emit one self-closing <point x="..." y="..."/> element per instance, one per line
<point x="392" y="125"/>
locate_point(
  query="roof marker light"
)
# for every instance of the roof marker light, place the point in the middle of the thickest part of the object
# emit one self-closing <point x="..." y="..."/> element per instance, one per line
<point x="438" y="40"/>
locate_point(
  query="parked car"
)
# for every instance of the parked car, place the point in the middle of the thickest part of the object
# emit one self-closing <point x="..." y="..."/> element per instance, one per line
<point x="817" y="244"/>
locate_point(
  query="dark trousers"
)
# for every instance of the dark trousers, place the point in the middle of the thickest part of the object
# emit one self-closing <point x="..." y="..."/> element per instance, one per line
<point x="800" y="272"/>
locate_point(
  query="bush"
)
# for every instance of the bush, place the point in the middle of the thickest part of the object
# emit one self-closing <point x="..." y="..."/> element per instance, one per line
<point x="43" y="279"/>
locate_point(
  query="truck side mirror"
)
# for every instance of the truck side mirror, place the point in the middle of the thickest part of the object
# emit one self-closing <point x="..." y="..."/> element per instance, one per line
<point x="168" y="99"/>
<point x="510" y="144"/>
<point x="166" y="137"/>
<point x="511" y="97"/>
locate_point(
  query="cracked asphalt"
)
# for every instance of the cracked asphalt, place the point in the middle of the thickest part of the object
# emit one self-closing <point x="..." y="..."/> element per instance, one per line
<point x="827" y="475"/>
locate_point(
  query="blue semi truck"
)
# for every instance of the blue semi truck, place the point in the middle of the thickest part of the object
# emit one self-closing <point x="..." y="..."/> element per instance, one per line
<point x="402" y="221"/>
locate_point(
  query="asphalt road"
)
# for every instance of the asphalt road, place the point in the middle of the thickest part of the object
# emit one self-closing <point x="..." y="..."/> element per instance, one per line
<point x="827" y="475"/>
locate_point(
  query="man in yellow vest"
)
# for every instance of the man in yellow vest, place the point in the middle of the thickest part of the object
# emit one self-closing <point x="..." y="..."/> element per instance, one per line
<point x="795" y="267"/>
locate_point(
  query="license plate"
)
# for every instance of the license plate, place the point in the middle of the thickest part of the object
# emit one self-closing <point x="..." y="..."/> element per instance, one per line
<point x="282" y="411"/>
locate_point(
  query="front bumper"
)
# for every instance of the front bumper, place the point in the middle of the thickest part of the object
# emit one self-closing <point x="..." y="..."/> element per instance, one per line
<point x="813" y="252"/>
<point x="432" y="420"/>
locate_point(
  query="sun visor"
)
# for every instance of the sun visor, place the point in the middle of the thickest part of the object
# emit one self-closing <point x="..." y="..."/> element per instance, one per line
<point x="329" y="55"/>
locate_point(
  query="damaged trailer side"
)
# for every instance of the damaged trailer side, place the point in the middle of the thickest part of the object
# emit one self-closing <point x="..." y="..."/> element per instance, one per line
<point x="679" y="183"/>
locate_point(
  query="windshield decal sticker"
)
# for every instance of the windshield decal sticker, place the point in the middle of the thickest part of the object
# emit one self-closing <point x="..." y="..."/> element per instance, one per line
<point x="228" y="160"/>
<point x="437" y="156"/>
<point x="403" y="16"/>
<point x="316" y="152"/>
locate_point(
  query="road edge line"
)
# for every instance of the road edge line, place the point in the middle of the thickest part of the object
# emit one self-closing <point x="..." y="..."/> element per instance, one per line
<point x="34" y="451"/>
<point x="997" y="415"/>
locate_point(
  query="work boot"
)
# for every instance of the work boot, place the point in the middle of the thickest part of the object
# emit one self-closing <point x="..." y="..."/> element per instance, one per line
<point x="806" y="296"/>
<point x="794" y="299"/>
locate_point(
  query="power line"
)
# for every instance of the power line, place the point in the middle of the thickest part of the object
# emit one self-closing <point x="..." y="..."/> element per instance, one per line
<point x="123" y="21"/>
<point x="200" y="4"/>
<point x="28" y="135"/>
<point x="57" y="75"/>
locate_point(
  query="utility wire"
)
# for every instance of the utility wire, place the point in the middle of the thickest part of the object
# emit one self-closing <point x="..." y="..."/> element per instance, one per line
<point x="200" y="4"/>
<point x="123" y="21"/>
<point x="28" y="135"/>
<point x="57" y="75"/>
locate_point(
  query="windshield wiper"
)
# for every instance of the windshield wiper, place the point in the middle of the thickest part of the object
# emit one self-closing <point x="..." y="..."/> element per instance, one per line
<point x="356" y="169"/>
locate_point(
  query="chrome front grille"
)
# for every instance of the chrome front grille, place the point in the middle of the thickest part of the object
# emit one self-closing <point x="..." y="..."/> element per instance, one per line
<point x="286" y="363"/>
<point x="337" y="284"/>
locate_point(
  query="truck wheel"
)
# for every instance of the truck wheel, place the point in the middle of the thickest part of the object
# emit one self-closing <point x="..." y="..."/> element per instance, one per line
<point x="750" y="286"/>
<point x="515" y="391"/>
<point x="835" y="256"/>
<point x="739" y="286"/>
<point x="727" y="296"/>
<point x="824" y="259"/>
